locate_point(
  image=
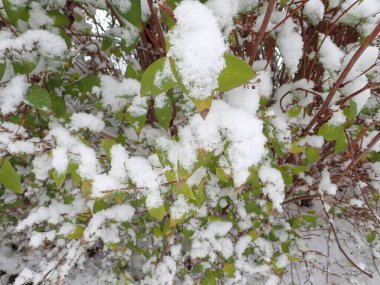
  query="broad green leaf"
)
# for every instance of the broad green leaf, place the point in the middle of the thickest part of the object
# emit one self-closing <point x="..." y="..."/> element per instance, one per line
<point x="86" y="188"/>
<point x="39" y="98"/>
<point x="75" y="178"/>
<point x="134" y="14"/>
<point x="157" y="213"/>
<point x="164" y="112"/>
<point x="9" y="177"/>
<point x="341" y="144"/>
<point x="58" y="105"/>
<point x="157" y="78"/>
<point x="87" y="83"/>
<point x="24" y="67"/>
<point x="60" y="20"/>
<point x="15" y="13"/>
<point x="236" y="73"/>
<point x="3" y="66"/>
<point x="106" y="43"/>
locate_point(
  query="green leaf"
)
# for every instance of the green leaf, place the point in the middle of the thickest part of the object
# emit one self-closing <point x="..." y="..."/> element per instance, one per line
<point x="87" y="83"/>
<point x="137" y="122"/>
<point x="107" y="145"/>
<point x="39" y="98"/>
<point x="58" y="105"/>
<point x="24" y="67"/>
<point x="170" y="176"/>
<point x="58" y="178"/>
<point x="148" y="82"/>
<point x="200" y="195"/>
<point x="15" y="13"/>
<point x="77" y="233"/>
<point x="99" y="205"/>
<point x="229" y="269"/>
<point x="186" y="191"/>
<point x="157" y="213"/>
<point x="312" y="154"/>
<point x="334" y="133"/>
<point x="236" y="73"/>
<point x="331" y="132"/>
<point x="134" y="14"/>
<point x="60" y="20"/>
<point x="164" y="112"/>
<point x="294" y="148"/>
<point x="131" y="73"/>
<point x="350" y="112"/>
<point x="371" y="236"/>
<point x="221" y="175"/>
<point x="293" y="112"/>
<point x="9" y="177"/>
<point x="3" y="66"/>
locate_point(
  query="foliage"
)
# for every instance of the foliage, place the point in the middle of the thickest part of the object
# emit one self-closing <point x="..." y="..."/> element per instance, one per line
<point x="171" y="142"/>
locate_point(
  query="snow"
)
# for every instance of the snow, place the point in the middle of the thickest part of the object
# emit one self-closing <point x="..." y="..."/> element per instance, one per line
<point x="86" y="121"/>
<point x="325" y="185"/>
<point x="47" y="43"/>
<point x="115" y="93"/>
<point x="122" y="5"/>
<point x="274" y="185"/>
<point x="13" y="93"/>
<point x="242" y="129"/>
<point x="330" y="55"/>
<point x="41" y="166"/>
<point x="37" y="238"/>
<point x="197" y="47"/>
<point x="314" y="10"/>
<point x="179" y="208"/>
<point x="60" y="160"/>
<point x="224" y="11"/>
<point x="338" y="118"/>
<point x="291" y="46"/>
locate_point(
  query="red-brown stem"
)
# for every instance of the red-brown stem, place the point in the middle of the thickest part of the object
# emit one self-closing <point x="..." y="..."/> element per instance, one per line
<point x="261" y="32"/>
<point x="343" y="76"/>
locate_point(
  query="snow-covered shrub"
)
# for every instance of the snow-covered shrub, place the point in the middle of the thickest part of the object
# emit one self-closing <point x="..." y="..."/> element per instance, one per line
<point x="189" y="142"/>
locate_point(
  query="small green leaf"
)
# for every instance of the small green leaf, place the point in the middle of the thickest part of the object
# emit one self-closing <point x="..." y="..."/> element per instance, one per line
<point x="59" y="179"/>
<point x="186" y="191"/>
<point x="371" y="236"/>
<point x="157" y="213"/>
<point x="312" y="154"/>
<point x="236" y="73"/>
<point x="58" y="104"/>
<point x="137" y="122"/>
<point x="331" y="132"/>
<point x="294" y="148"/>
<point x="164" y="112"/>
<point x="293" y="112"/>
<point x="99" y="205"/>
<point x="170" y="176"/>
<point x="39" y="98"/>
<point x="77" y="233"/>
<point x="157" y="79"/>
<point x="221" y="175"/>
<point x="3" y="66"/>
<point x="107" y="145"/>
<point x="229" y="269"/>
<point x="9" y="177"/>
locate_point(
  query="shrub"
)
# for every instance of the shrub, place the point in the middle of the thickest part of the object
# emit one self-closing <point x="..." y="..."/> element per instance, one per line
<point x="180" y="142"/>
